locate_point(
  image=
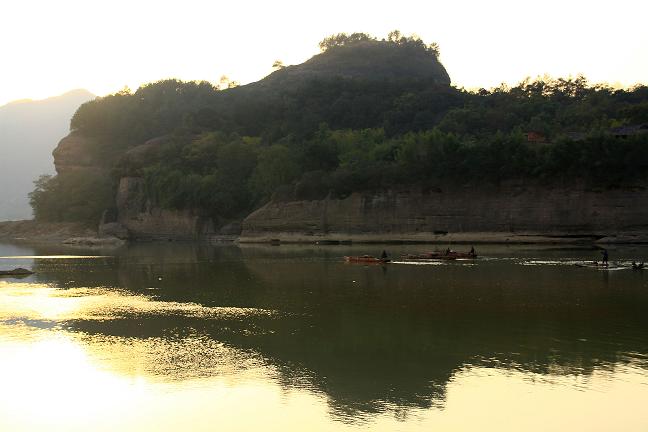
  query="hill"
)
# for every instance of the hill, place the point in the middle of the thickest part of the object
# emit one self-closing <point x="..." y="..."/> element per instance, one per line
<point x="372" y="59"/>
<point x="29" y="131"/>
<point x="364" y="115"/>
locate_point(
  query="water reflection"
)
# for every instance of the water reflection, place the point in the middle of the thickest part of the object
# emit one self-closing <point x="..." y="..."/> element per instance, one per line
<point x="364" y="342"/>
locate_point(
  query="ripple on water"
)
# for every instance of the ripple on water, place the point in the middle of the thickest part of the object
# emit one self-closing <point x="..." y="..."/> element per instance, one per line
<point x="32" y="313"/>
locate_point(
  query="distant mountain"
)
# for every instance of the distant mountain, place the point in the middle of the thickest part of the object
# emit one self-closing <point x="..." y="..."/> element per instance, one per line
<point x="29" y="131"/>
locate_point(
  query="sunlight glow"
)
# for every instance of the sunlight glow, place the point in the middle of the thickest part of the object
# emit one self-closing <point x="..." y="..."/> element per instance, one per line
<point x="69" y="377"/>
<point x="53" y="47"/>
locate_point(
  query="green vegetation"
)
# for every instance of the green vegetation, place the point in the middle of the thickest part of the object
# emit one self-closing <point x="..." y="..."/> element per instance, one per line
<point x="394" y="37"/>
<point x="73" y="197"/>
<point x="227" y="151"/>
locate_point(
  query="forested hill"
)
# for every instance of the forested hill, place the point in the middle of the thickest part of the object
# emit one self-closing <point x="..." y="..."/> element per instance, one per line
<point x="372" y="60"/>
<point x="363" y="114"/>
<point x="351" y="84"/>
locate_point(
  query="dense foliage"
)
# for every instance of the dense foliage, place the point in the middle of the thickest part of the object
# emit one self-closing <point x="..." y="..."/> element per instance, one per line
<point x="74" y="197"/>
<point x="244" y="172"/>
<point x="227" y="151"/>
<point x="394" y="37"/>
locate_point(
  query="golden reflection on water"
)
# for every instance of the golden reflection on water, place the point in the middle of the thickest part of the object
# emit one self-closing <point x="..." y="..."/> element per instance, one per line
<point x="57" y="379"/>
<point x="37" y="315"/>
<point x="33" y="301"/>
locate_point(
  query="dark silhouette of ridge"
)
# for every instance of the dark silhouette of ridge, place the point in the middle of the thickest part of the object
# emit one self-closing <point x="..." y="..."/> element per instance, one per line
<point x="370" y="60"/>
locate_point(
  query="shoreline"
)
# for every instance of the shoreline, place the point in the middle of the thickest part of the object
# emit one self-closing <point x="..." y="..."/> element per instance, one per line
<point x="30" y="231"/>
<point x="45" y="232"/>
<point x="457" y="238"/>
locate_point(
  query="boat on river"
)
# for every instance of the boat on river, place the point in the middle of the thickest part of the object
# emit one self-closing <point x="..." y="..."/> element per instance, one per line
<point x="366" y="259"/>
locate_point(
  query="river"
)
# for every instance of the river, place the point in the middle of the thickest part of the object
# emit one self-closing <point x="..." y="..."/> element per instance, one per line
<point x="180" y="336"/>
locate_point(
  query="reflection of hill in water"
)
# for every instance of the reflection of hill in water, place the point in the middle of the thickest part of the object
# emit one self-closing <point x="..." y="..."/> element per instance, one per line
<point x="373" y="337"/>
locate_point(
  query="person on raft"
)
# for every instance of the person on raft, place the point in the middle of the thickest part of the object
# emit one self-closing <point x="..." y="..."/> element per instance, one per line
<point x="383" y="255"/>
<point x="605" y="257"/>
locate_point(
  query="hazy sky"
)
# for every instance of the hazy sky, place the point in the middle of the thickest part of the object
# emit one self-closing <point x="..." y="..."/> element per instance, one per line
<point x="50" y="47"/>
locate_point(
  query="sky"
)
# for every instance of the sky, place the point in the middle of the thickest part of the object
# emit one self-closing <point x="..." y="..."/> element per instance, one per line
<point x="50" y="47"/>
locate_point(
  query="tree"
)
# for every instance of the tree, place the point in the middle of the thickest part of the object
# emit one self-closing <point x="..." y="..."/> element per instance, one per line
<point x="343" y="39"/>
<point x="74" y="197"/>
<point x="394" y="36"/>
<point x="277" y="166"/>
<point x="42" y="200"/>
<point x="226" y="83"/>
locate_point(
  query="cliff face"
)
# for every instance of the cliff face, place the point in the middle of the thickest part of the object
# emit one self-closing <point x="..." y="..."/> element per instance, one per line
<point x="507" y="212"/>
<point x="73" y="154"/>
<point x="136" y="217"/>
<point x="144" y="221"/>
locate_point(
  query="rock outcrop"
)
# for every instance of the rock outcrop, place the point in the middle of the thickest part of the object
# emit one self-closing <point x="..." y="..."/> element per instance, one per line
<point x="512" y="212"/>
<point x="74" y="153"/>
<point x="144" y="221"/>
<point x="99" y="242"/>
<point x="379" y="60"/>
<point x="16" y="272"/>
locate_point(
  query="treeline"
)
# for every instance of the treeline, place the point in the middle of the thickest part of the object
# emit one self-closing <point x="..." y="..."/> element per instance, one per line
<point x="125" y="119"/>
<point x="394" y="37"/>
<point x="551" y="106"/>
<point x="228" y="175"/>
<point x="74" y="197"/>
<point x="225" y="152"/>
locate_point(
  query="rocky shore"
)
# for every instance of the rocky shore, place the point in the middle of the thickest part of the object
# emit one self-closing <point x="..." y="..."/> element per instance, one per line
<point x="432" y="238"/>
<point x="43" y="231"/>
<point x="71" y="234"/>
<point x="505" y="213"/>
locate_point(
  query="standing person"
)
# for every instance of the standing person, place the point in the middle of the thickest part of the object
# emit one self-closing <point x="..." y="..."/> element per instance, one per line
<point x="605" y="257"/>
<point x="383" y="255"/>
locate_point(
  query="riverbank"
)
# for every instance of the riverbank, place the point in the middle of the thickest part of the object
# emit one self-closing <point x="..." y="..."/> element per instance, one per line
<point x="32" y="231"/>
<point x="66" y="233"/>
<point x="502" y="213"/>
<point x="448" y="238"/>
<point x="73" y="233"/>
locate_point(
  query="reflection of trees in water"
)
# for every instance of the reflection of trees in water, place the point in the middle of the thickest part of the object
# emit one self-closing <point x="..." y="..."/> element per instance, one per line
<point x="373" y="340"/>
<point x="138" y="267"/>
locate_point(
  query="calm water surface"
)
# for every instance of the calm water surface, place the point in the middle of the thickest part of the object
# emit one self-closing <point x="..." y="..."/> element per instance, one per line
<point x="159" y="337"/>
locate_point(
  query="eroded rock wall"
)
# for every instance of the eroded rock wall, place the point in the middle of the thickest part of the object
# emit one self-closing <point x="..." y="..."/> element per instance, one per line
<point x="73" y="155"/>
<point x="520" y="210"/>
<point x="147" y="222"/>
